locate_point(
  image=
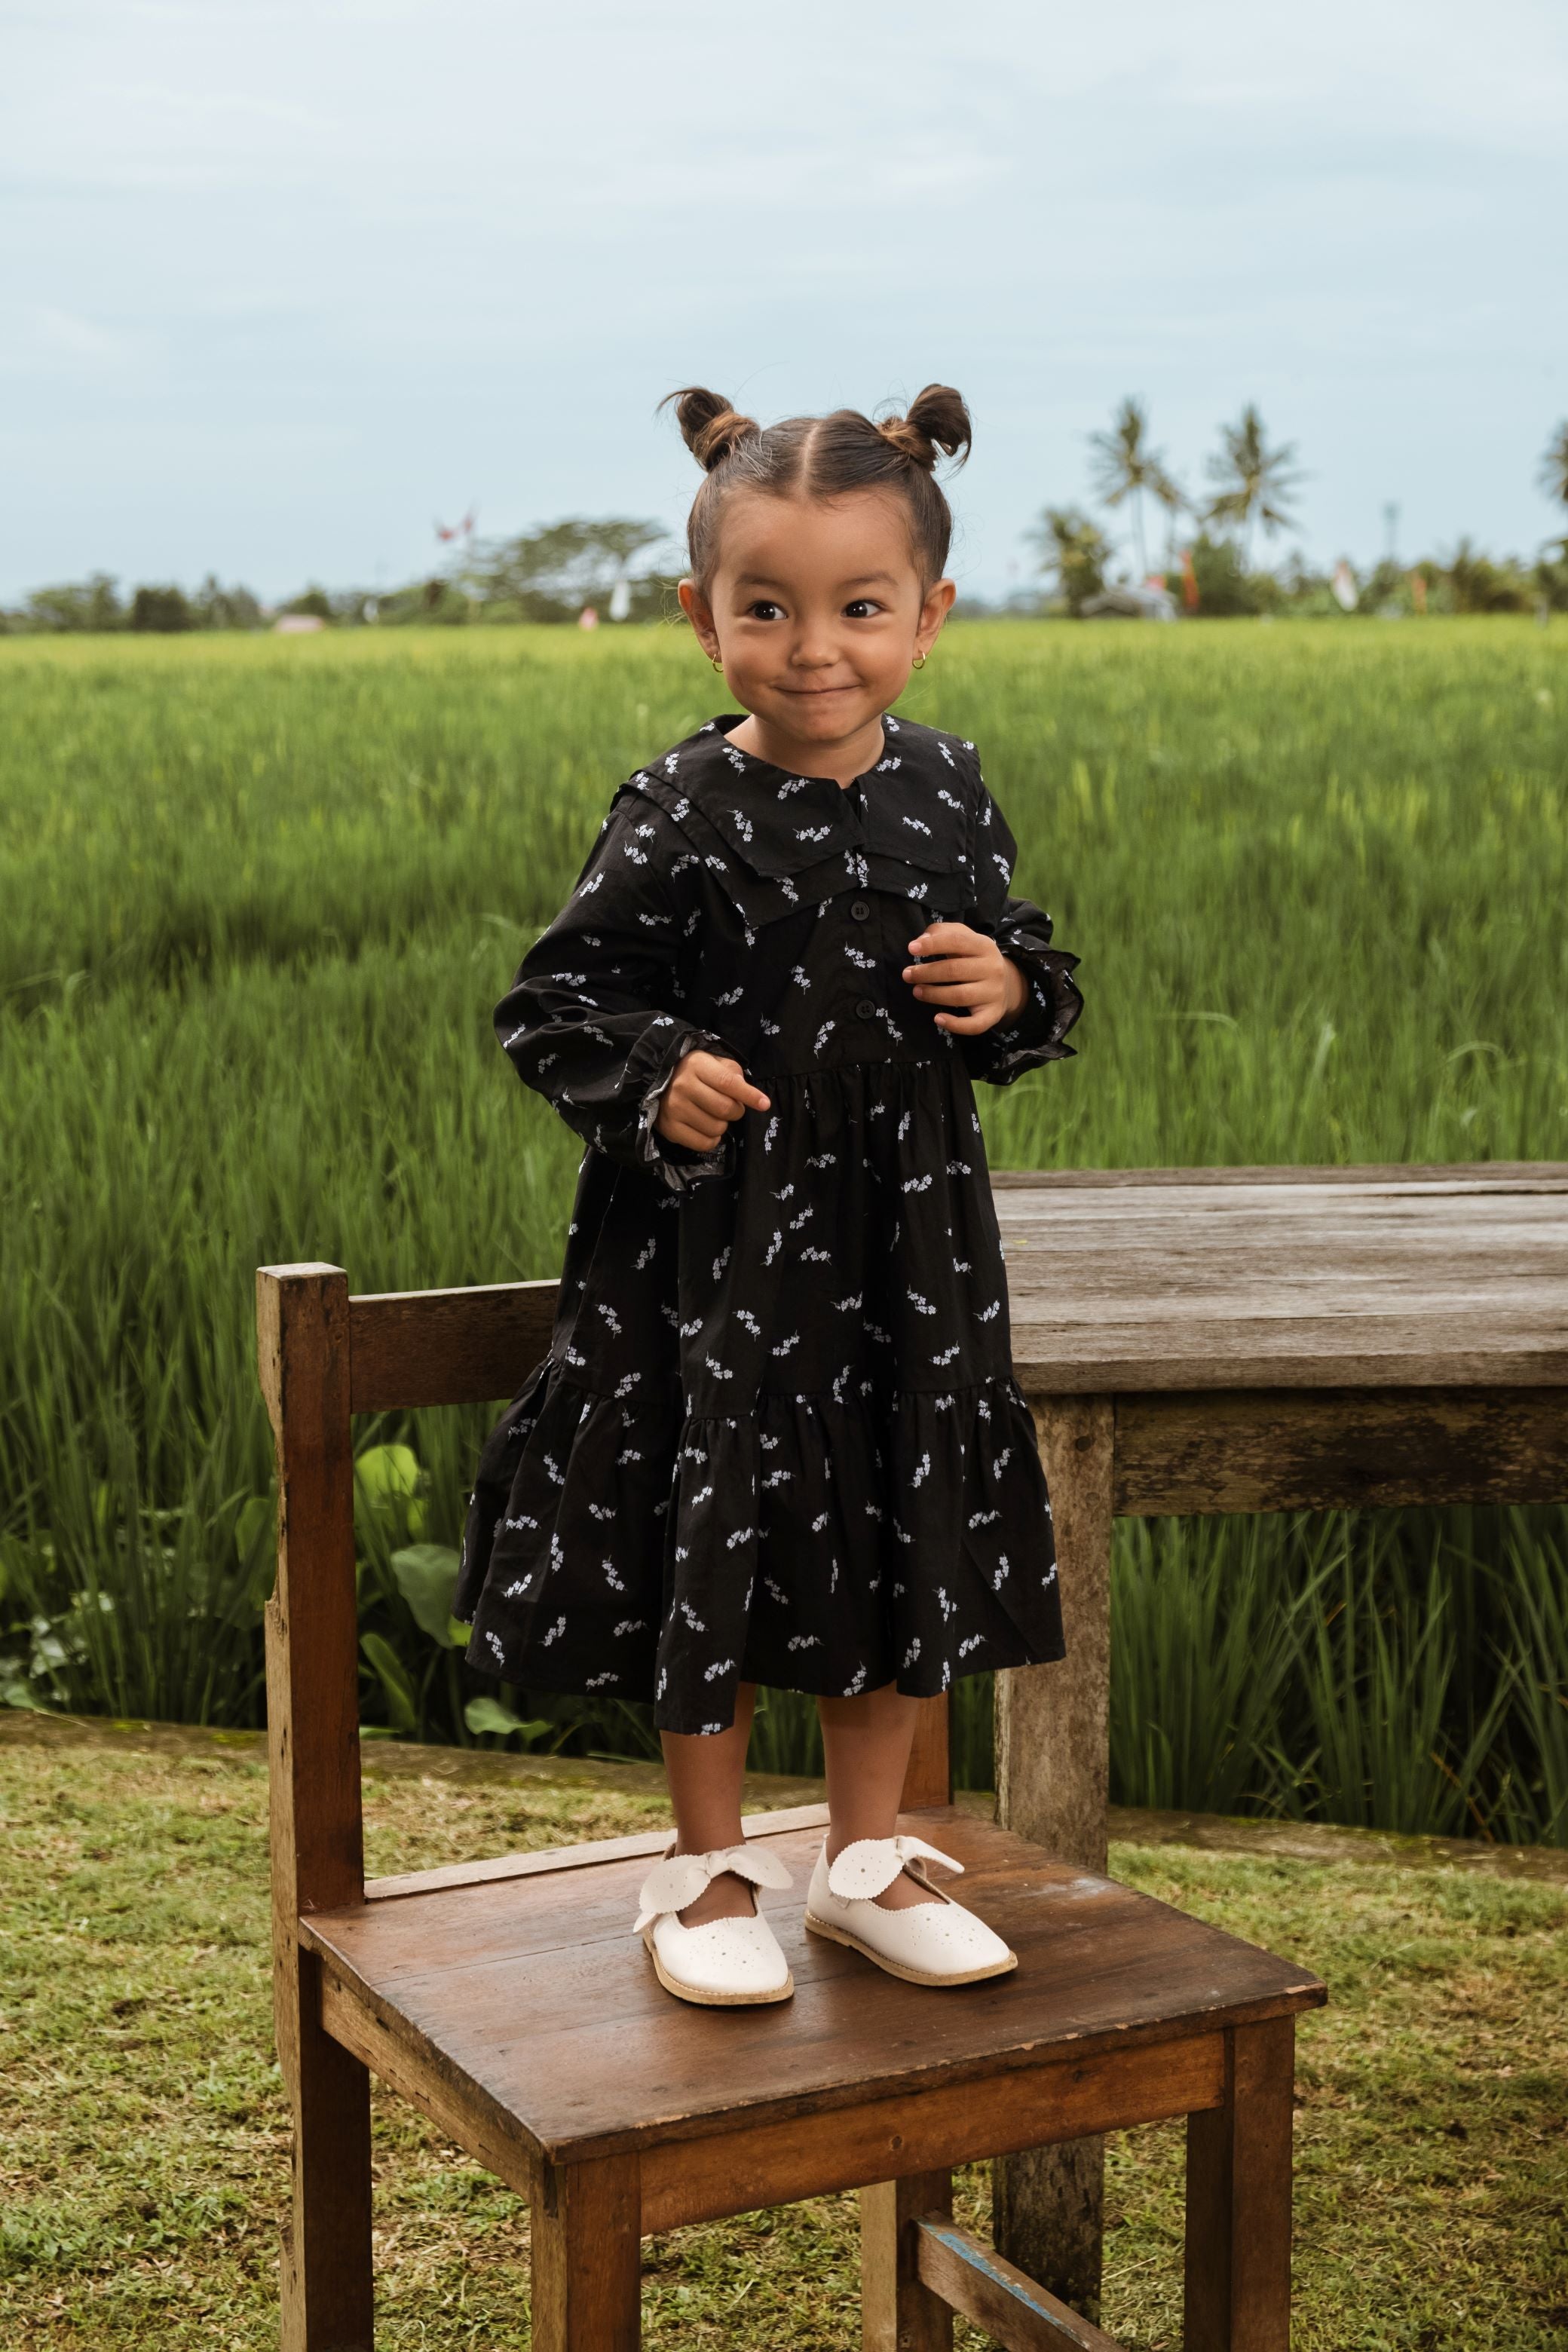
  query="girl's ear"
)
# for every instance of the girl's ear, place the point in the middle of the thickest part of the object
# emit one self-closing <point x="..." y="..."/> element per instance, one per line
<point x="698" y="612"/>
<point x="934" y="611"/>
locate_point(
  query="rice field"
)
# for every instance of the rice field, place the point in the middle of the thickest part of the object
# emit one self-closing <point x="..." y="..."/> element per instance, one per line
<point x="259" y="896"/>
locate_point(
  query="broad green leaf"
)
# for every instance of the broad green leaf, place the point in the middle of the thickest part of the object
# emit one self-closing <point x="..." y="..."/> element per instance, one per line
<point x="489" y="1714"/>
<point x="427" y="1579"/>
<point x="394" y="1681"/>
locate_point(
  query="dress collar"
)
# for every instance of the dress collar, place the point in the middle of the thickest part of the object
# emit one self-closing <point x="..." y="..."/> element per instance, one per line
<point x="908" y="806"/>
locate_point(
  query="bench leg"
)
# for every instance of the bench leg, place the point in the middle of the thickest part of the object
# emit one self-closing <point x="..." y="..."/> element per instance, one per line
<point x="327" y="2282"/>
<point x="1053" y="1769"/>
<point x="898" y="2312"/>
<point x="586" y="2236"/>
<point x="1239" y="2200"/>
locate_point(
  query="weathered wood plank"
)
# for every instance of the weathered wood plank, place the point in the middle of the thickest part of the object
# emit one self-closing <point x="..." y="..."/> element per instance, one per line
<point x="1339" y="1449"/>
<point x="491" y="2134"/>
<point x="898" y="2312"/>
<point x="924" y="2131"/>
<point x="312" y="1730"/>
<point x="973" y="2279"/>
<point x="928" y="1778"/>
<point x="1053" y="1785"/>
<point x="448" y="1347"/>
<point x="1237" y="2257"/>
<point x="494" y="1868"/>
<point x="1052" y="1752"/>
<point x="587" y="2259"/>
<point x="536" y="1992"/>
<point x="1530" y="1175"/>
<point x="1113" y="1359"/>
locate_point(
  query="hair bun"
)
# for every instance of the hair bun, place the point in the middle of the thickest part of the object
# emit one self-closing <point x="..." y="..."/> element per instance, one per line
<point x="710" y="427"/>
<point x="937" y="424"/>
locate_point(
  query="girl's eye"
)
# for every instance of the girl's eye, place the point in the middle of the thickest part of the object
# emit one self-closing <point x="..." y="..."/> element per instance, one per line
<point x="862" y="609"/>
<point x="765" y="609"/>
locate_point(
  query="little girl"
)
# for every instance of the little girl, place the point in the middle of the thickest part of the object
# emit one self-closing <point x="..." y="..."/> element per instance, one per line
<point x="777" y="1438"/>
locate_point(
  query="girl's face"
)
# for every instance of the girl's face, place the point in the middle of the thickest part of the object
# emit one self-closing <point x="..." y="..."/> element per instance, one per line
<point x="815" y="609"/>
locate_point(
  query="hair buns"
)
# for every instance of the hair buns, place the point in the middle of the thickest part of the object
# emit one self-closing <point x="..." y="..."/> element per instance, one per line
<point x="710" y="427"/>
<point x="937" y="424"/>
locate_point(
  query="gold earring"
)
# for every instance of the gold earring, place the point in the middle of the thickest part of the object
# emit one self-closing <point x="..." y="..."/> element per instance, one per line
<point x="919" y="662"/>
<point x="717" y="664"/>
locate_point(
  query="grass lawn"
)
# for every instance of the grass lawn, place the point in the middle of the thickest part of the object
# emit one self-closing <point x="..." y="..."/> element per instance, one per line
<point x="145" y="2154"/>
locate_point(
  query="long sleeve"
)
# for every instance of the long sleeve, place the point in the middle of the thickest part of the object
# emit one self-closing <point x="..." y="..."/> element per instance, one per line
<point x="591" y="1021"/>
<point x="1023" y="932"/>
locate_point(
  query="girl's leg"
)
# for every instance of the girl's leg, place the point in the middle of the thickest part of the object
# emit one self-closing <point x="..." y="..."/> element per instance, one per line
<point x="866" y="1743"/>
<point x="705" y="1771"/>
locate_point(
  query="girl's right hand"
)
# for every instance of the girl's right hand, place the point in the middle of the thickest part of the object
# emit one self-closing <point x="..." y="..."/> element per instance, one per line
<point x="705" y="1093"/>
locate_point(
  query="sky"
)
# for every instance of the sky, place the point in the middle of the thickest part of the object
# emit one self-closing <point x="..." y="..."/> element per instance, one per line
<point x="283" y="282"/>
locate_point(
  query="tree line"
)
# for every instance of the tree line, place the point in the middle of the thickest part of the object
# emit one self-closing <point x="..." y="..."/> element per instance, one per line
<point x="624" y="569"/>
<point x="1253" y="487"/>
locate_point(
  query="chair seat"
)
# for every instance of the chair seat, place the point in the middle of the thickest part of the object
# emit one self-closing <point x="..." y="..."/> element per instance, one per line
<point x="512" y="2001"/>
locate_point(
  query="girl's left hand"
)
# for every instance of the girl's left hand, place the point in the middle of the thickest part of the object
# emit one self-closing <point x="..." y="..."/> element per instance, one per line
<point x="965" y="969"/>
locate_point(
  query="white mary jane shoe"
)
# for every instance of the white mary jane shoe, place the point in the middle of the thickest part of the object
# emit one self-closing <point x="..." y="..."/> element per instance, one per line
<point x="727" y="1963"/>
<point x="935" y="1943"/>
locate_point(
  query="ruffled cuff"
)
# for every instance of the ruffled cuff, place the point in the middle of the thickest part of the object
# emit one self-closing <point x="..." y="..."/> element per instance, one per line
<point x="675" y="1164"/>
<point x="1036" y="1033"/>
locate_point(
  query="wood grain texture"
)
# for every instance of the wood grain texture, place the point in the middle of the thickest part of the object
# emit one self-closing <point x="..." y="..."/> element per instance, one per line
<point x="1149" y="1280"/>
<point x="586" y="2236"/>
<point x="489" y="2134"/>
<point x="448" y="1347"/>
<point x="1487" y="1175"/>
<point x="898" y="2312"/>
<point x="928" y="1779"/>
<point x="1053" y="1785"/>
<point x="1339" y="1449"/>
<point x="317" y="1856"/>
<point x="928" y="2130"/>
<point x="535" y="1995"/>
<point x="1238" y="2259"/>
<point x="1012" y="2309"/>
<point x="643" y="1843"/>
<point x="1053" y="1722"/>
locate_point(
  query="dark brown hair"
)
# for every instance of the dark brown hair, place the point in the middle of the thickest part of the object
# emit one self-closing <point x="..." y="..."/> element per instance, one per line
<point x="823" y="458"/>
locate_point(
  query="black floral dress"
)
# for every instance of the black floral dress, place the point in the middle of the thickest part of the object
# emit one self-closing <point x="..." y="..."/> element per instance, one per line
<point x="777" y="1437"/>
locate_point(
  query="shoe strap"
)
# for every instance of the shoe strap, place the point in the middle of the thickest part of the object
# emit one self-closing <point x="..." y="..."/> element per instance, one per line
<point x="868" y="1867"/>
<point x="680" y="1878"/>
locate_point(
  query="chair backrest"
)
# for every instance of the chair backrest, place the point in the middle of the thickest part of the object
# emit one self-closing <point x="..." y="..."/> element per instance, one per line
<point x="324" y="1356"/>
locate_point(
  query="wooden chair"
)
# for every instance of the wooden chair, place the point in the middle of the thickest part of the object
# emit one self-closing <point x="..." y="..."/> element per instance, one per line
<point x="510" y="2000"/>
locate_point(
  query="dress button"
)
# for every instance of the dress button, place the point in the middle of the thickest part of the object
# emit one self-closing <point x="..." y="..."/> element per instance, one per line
<point x="861" y="909"/>
<point x="867" y="1008"/>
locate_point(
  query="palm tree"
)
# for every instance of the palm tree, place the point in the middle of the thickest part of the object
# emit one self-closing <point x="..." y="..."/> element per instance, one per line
<point x="1554" y="465"/>
<point x="1125" y="467"/>
<point x="1256" y="484"/>
<point x="1173" y="498"/>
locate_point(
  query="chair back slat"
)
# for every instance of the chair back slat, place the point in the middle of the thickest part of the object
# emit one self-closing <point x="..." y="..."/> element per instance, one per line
<point x="411" y="1348"/>
<point x="376" y="1352"/>
<point x="312" y="1631"/>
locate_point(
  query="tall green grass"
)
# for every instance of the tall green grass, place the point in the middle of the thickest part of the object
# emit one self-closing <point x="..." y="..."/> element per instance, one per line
<point x="258" y="898"/>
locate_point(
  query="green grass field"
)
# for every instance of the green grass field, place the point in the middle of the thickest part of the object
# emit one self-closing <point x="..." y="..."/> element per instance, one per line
<point x="146" y="2148"/>
<point x="259" y="896"/>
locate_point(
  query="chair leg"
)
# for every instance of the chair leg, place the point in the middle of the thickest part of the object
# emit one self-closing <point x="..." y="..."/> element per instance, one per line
<point x="327" y="2284"/>
<point x="898" y="2312"/>
<point x="1239" y="2200"/>
<point x="587" y="2258"/>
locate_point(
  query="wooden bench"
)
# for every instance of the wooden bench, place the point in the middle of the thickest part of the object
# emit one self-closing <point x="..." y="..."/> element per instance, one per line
<point x="510" y="2000"/>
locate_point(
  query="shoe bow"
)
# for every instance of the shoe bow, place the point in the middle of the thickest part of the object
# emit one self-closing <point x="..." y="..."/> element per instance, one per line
<point x="680" y="1878"/>
<point x="869" y="1867"/>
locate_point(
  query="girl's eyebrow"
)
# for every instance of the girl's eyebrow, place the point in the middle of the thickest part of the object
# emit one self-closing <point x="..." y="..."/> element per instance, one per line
<point x="861" y="580"/>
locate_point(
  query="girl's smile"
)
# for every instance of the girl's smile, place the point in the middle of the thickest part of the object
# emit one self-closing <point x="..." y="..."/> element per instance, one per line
<point x="816" y="611"/>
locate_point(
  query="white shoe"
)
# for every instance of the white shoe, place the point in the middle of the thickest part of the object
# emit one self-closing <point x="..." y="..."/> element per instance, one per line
<point x="935" y="1943"/>
<point x="727" y="1963"/>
